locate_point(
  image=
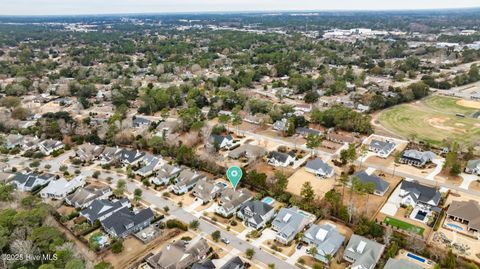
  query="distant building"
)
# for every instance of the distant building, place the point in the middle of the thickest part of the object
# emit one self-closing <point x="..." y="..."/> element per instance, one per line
<point x="473" y="167"/>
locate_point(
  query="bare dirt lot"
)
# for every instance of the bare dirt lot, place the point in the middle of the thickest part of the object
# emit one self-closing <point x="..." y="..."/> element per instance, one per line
<point x="320" y="185"/>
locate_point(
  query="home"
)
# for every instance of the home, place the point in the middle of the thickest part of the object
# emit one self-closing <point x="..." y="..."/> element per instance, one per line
<point x="180" y="254"/>
<point x="289" y="222"/>
<point x="131" y="157"/>
<point x="149" y="165"/>
<point x="248" y="151"/>
<point x="256" y="214"/>
<point x="401" y="264"/>
<point x="138" y="122"/>
<point x="58" y="189"/>
<point x="26" y="182"/>
<point x="109" y="155"/>
<point x="221" y="141"/>
<point x="466" y="213"/>
<point x="208" y="264"/>
<point x="103" y="208"/>
<point x="253" y="119"/>
<point x="383" y="149"/>
<point x="165" y="174"/>
<point x="363" y="108"/>
<point x="381" y="186"/>
<point x="30" y="143"/>
<point x="423" y="199"/>
<point x="48" y="146"/>
<point x="473" y="167"/>
<point x="234" y="263"/>
<point x="231" y="200"/>
<point x="13" y="141"/>
<point x="280" y="159"/>
<point x="206" y="190"/>
<point x="88" y="152"/>
<point x="340" y="139"/>
<point x="83" y="197"/>
<point x="303" y="131"/>
<point x="319" y="168"/>
<point x="417" y="158"/>
<point x="125" y="222"/>
<point x="362" y="252"/>
<point x="185" y="181"/>
<point x="326" y="239"/>
<point x="280" y="125"/>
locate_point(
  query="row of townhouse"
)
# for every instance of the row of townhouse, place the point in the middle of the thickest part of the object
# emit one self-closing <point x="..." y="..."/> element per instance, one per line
<point x="46" y="146"/>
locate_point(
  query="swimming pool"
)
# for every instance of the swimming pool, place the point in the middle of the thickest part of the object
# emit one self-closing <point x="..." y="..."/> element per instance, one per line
<point x="455" y="226"/>
<point x="415" y="257"/>
<point x="268" y="200"/>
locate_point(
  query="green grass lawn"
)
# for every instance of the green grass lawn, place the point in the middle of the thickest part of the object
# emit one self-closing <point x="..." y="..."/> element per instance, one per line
<point x="432" y="120"/>
<point x="404" y="225"/>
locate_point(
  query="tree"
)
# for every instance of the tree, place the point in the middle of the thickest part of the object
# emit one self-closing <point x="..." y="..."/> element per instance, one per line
<point x="120" y="189"/>
<point x="281" y="183"/>
<point x="103" y="265"/>
<point x="367" y="189"/>
<point x="250" y="252"/>
<point x="313" y="141"/>
<point x="216" y="235"/>
<point x="450" y="260"/>
<point x="6" y="192"/>
<point x="307" y="192"/>
<point x="137" y="194"/>
<point x="194" y="224"/>
<point x="117" y="246"/>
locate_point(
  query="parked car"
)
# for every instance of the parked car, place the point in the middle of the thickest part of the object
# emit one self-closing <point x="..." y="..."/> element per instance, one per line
<point x="225" y="240"/>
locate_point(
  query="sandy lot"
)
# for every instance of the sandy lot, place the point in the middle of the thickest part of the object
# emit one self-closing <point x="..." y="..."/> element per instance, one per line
<point x="469" y="103"/>
<point x="320" y="185"/>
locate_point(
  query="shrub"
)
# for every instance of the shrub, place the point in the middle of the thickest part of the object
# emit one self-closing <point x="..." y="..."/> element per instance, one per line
<point x="117" y="246"/>
<point x="174" y="223"/>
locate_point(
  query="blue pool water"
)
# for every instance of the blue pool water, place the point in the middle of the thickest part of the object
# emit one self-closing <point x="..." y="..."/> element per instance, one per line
<point x="268" y="200"/>
<point x="415" y="257"/>
<point x="455" y="226"/>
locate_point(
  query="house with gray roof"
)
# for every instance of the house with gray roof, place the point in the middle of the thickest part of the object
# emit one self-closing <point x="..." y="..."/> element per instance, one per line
<point x="28" y="181"/>
<point x="208" y="264"/>
<point x="326" y="239"/>
<point x="231" y="200"/>
<point x="319" y="168"/>
<point x="180" y="254"/>
<point x="60" y="188"/>
<point x="401" y="264"/>
<point x="102" y="209"/>
<point x="251" y="152"/>
<point x="83" y="197"/>
<point x="234" y="263"/>
<point x="256" y="214"/>
<point x="289" y="222"/>
<point x="48" y="146"/>
<point x="417" y="158"/>
<point x="280" y="125"/>
<point x="362" y="252"/>
<point x="304" y="131"/>
<point x="280" y="159"/>
<point x="125" y="222"/>
<point x="207" y="190"/>
<point x="131" y="157"/>
<point x="383" y="149"/>
<point x="186" y="180"/>
<point x="109" y="155"/>
<point x="88" y="152"/>
<point x="473" y="167"/>
<point x="165" y="174"/>
<point x="13" y="141"/>
<point x="221" y="141"/>
<point x="413" y="193"/>
<point x="381" y="186"/>
<point x="149" y="165"/>
<point x="138" y="122"/>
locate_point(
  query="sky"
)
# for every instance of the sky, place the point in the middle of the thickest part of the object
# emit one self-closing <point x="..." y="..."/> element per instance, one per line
<point x="80" y="7"/>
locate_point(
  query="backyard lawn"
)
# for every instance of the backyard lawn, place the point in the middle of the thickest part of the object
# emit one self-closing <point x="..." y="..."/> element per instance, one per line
<point x="404" y="225"/>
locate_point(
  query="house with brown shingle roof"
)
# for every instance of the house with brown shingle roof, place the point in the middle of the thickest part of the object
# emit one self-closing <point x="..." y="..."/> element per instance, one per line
<point x="466" y="212"/>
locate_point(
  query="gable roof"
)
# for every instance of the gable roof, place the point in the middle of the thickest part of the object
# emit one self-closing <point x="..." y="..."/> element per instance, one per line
<point x="214" y="138"/>
<point x="382" y="145"/>
<point x="289" y="221"/>
<point x="230" y="198"/>
<point x="100" y="208"/>
<point x="180" y="254"/>
<point x="247" y="150"/>
<point x="85" y="195"/>
<point x="120" y="220"/>
<point x="365" y="252"/>
<point x="259" y="210"/>
<point x="466" y="210"/>
<point x="473" y="164"/>
<point x="380" y="184"/>
<point x="304" y="130"/>
<point x="425" y="156"/>
<point x="278" y="156"/>
<point x="205" y="189"/>
<point x="326" y="238"/>
<point x="400" y="264"/>
<point x="421" y="192"/>
<point x="319" y="164"/>
<point x="233" y="263"/>
<point x="131" y="156"/>
<point x="62" y="186"/>
<point x="208" y="264"/>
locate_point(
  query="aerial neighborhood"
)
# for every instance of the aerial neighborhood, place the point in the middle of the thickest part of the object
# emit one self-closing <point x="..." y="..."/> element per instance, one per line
<point x="355" y="139"/>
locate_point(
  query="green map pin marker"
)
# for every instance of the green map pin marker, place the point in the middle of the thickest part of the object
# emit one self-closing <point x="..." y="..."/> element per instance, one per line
<point x="234" y="174"/>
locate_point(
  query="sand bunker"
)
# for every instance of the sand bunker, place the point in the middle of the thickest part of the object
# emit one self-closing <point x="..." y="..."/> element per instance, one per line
<point x="439" y="124"/>
<point x="469" y="103"/>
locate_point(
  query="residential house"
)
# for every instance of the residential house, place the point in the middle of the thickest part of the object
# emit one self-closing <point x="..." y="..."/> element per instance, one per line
<point x="251" y="152"/>
<point x="254" y="119"/>
<point x="208" y="264"/>
<point x="326" y="239"/>
<point x="289" y="222"/>
<point x="185" y="181"/>
<point x="231" y="200"/>
<point x="125" y="222"/>
<point x="140" y="122"/>
<point x="207" y="190"/>
<point x="58" y="189"/>
<point x="381" y="186"/>
<point x="83" y="197"/>
<point x="166" y="173"/>
<point x="363" y="108"/>
<point x="48" y="146"/>
<point x="110" y="155"/>
<point x="319" y="168"/>
<point x="467" y="213"/>
<point x="303" y="131"/>
<point x="473" y="167"/>
<point x="221" y="141"/>
<point x="413" y="193"/>
<point x="26" y="182"/>
<point x="417" y="158"/>
<point x="401" y="264"/>
<point x="88" y="152"/>
<point x="280" y="159"/>
<point x="383" y="149"/>
<point x="363" y="253"/>
<point x="13" y="141"/>
<point x="30" y="143"/>
<point x="131" y="157"/>
<point x="103" y="208"/>
<point x="234" y="263"/>
<point x="180" y="254"/>
<point x="281" y="125"/>
<point x="149" y="165"/>
<point x="256" y="214"/>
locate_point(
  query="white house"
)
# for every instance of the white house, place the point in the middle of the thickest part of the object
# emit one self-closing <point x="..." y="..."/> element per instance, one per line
<point x="48" y="146"/>
<point x="383" y="149"/>
<point x="280" y="159"/>
<point x="319" y="168"/>
<point x="59" y="189"/>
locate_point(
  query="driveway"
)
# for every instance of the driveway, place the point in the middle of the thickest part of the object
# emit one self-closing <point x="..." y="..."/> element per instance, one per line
<point x="437" y="170"/>
<point x="467" y="179"/>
